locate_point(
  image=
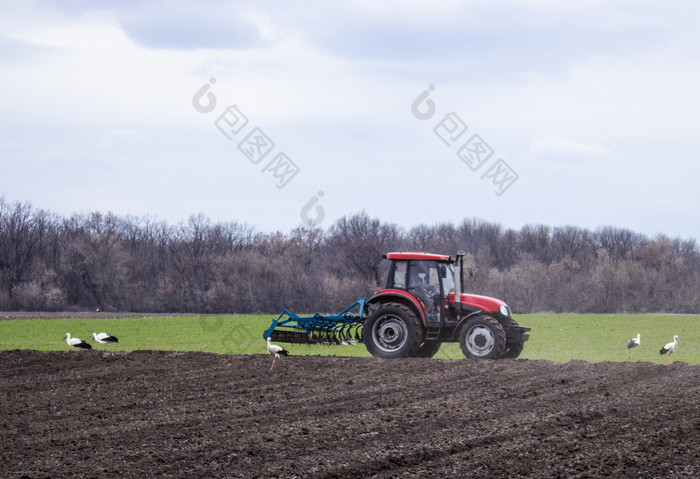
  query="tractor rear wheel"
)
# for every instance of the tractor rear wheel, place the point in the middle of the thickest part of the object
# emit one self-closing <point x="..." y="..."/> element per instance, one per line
<point x="482" y="337"/>
<point x="391" y="331"/>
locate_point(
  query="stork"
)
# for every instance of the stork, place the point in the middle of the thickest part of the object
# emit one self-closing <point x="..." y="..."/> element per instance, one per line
<point x="76" y="343"/>
<point x="633" y="343"/>
<point x="670" y="348"/>
<point x="104" y="338"/>
<point x="275" y="351"/>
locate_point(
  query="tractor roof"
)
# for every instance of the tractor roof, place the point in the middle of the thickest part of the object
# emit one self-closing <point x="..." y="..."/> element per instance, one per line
<point x="419" y="256"/>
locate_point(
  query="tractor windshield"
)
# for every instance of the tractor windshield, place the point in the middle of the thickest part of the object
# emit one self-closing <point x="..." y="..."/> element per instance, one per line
<point x="422" y="273"/>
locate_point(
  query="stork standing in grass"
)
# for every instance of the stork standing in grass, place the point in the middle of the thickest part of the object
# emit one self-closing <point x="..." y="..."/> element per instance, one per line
<point x="633" y="344"/>
<point x="104" y="338"/>
<point x="670" y="348"/>
<point x="275" y="351"/>
<point x="76" y="343"/>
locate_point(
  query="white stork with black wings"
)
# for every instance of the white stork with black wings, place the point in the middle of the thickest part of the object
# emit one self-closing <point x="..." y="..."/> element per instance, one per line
<point x="76" y="343"/>
<point x="670" y="348"/>
<point x="104" y="338"/>
<point x="275" y="351"/>
<point x="634" y="343"/>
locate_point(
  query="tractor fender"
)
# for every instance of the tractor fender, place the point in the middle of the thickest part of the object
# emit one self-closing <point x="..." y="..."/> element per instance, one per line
<point x="400" y="296"/>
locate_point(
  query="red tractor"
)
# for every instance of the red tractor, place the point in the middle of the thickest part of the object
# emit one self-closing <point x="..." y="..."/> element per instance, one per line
<point x="422" y="306"/>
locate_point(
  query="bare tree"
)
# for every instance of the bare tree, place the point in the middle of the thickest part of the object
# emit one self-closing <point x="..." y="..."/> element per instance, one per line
<point x="21" y="233"/>
<point x="536" y="241"/>
<point x="360" y="242"/>
<point x="618" y="242"/>
<point x="574" y="243"/>
<point x="93" y="261"/>
<point x="130" y="263"/>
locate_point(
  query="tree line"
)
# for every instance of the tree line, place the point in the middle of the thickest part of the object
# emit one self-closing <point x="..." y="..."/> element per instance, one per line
<point x="96" y="260"/>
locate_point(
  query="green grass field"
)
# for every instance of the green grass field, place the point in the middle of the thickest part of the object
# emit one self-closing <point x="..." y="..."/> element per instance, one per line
<point x="555" y="337"/>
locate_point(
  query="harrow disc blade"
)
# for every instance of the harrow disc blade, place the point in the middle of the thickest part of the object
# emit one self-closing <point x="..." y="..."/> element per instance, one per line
<point x="358" y="333"/>
<point x="346" y="332"/>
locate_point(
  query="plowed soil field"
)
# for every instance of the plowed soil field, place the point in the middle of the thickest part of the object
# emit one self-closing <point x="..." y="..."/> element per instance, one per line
<point x="170" y="414"/>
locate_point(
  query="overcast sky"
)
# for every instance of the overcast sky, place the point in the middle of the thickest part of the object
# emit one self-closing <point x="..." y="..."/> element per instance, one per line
<point x="276" y="113"/>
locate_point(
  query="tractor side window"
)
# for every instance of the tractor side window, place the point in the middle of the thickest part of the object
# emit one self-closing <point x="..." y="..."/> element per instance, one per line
<point x="400" y="274"/>
<point x="448" y="282"/>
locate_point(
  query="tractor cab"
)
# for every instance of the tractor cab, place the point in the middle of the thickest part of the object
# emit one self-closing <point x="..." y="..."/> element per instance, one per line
<point x="427" y="277"/>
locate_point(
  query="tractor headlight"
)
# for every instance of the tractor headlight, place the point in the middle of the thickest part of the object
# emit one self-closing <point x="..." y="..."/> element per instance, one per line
<point x="504" y="310"/>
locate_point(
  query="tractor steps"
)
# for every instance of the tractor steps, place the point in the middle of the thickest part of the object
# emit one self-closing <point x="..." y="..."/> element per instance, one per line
<point x="432" y="333"/>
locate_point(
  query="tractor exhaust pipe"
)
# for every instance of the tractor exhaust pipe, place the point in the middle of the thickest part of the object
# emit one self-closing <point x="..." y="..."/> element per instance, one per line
<point x="459" y="280"/>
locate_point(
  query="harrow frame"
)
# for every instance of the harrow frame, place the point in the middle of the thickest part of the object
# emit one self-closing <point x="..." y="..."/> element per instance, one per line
<point x="342" y="328"/>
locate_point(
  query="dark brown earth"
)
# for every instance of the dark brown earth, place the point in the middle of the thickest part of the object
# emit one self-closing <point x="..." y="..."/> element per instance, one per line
<point x="168" y="414"/>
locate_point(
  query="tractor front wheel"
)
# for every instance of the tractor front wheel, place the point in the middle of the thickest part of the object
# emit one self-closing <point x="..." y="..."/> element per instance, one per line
<point x="482" y="337"/>
<point x="391" y="331"/>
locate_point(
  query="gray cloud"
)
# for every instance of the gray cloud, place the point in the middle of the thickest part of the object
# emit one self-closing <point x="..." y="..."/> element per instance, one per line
<point x="496" y="37"/>
<point x="174" y="24"/>
<point x="189" y="26"/>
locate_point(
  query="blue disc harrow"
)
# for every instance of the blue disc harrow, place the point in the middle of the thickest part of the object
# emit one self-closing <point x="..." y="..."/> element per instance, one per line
<point x="342" y="328"/>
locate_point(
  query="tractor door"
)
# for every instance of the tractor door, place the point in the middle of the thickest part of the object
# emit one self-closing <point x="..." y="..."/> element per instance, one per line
<point x="424" y="283"/>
